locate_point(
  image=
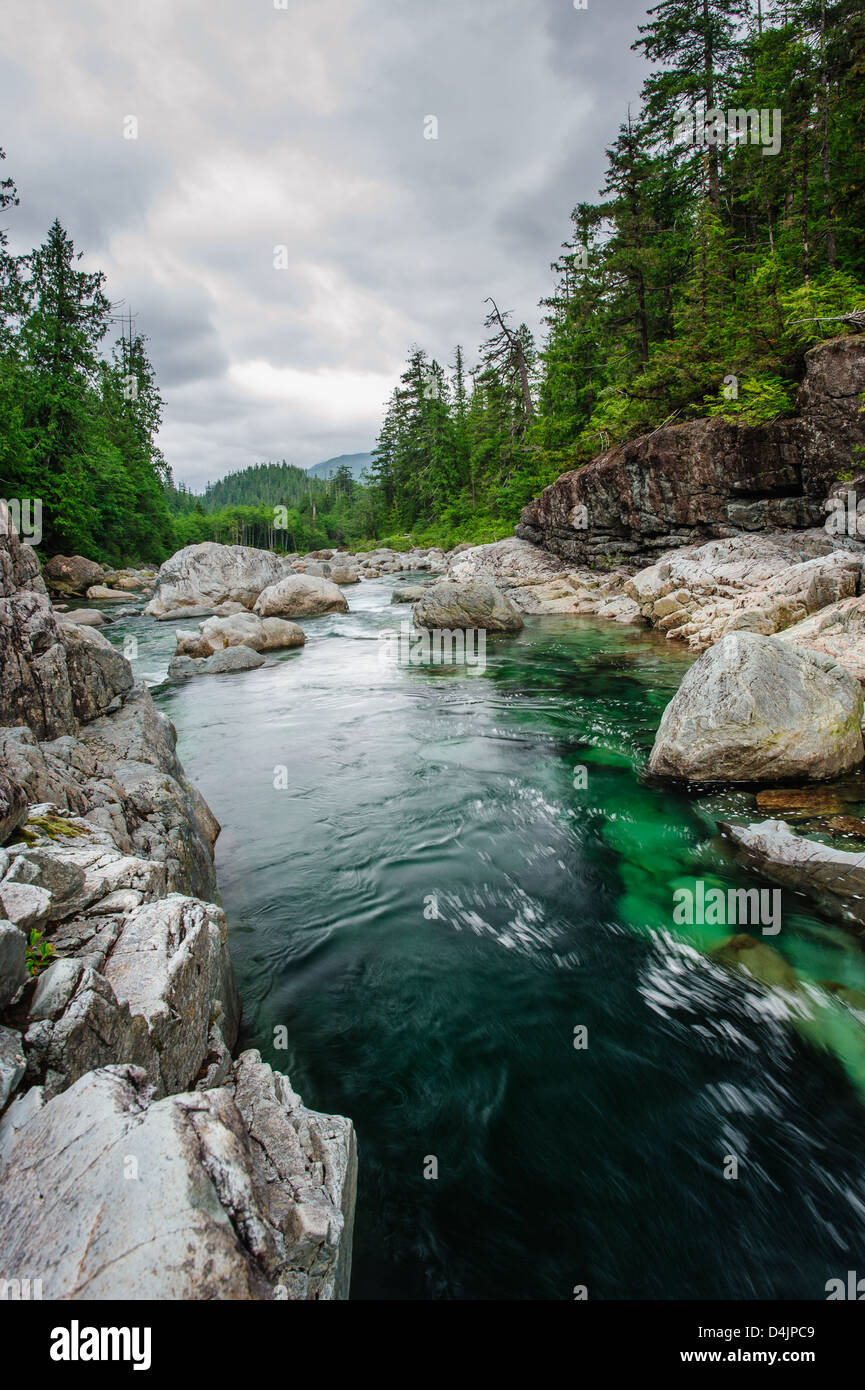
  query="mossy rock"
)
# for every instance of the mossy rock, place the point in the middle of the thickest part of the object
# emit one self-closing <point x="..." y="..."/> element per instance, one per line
<point x="764" y="963"/>
<point x="51" y="827"/>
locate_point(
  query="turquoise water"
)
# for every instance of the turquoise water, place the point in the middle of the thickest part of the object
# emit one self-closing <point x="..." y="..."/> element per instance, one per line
<point x="428" y="897"/>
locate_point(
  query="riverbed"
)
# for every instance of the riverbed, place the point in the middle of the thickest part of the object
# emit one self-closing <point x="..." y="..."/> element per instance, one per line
<point x="435" y="879"/>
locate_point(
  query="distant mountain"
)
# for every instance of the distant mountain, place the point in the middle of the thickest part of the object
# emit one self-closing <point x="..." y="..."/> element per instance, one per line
<point x="356" y="462"/>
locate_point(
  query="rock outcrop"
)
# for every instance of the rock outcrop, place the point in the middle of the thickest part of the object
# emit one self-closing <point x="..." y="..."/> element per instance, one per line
<point x="538" y="583"/>
<point x="115" y="1061"/>
<point x="135" y="974"/>
<point x="234" y="1193"/>
<point x="755" y="709"/>
<point x="687" y="483"/>
<point x="746" y="583"/>
<point x="838" y="631"/>
<point x="49" y="678"/>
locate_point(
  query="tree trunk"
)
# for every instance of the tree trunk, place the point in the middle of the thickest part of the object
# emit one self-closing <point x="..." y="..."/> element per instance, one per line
<point x="831" y="252"/>
<point x="806" y="252"/>
<point x="708" y="66"/>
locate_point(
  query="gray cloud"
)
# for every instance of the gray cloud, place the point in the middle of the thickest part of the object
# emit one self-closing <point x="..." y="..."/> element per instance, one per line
<point x="303" y="127"/>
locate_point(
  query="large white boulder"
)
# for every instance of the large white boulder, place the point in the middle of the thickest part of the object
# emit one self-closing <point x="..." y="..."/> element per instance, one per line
<point x="209" y="574"/>
<point x="301" y="596"/>
<point x="249" y="630"/>
<point x="234" y="1193"/>
<point x="756" y="709"/>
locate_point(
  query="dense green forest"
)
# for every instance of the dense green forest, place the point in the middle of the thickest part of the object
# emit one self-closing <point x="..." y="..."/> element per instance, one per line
<point x="275" y="506"/>
<point x="77" y="429"/>
<point x="729" y="236"/>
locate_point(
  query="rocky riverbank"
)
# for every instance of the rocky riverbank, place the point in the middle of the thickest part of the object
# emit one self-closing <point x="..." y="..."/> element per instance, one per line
<point x="138" y="1157"/>
<point x="743" y="542"/>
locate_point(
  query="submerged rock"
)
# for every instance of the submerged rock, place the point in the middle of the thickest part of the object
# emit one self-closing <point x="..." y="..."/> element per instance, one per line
<point x="763" y="962"/>
<point x="473" y="604"/>
<point x="800" y="801"/>
<point x="754" y="709"/>
<point x="835" y="878"/>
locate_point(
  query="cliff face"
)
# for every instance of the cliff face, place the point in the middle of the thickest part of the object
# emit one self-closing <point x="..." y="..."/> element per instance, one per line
<point x="137" y="1158"/>
<point x="705" y="479"/>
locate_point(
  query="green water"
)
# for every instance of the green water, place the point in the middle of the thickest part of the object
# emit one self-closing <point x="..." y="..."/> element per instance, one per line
<point x="438" y="898"/>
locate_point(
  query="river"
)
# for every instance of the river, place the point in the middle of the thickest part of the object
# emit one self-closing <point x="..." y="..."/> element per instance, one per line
<point x="427" y="897"/>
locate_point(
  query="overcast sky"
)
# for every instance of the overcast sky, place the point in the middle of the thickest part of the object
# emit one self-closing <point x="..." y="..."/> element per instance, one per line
<point x="303" y="127"/>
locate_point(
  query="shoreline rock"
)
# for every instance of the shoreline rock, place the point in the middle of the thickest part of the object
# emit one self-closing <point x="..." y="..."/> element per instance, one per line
<point x="684" y="484"/>
<point x="754" y="709"/>
<point x="239" y="1192"/>
<point x="122" y="1045"/>
<point x="835" y="878"/>
<point x="472" y="604"/>
<point x="538" y="584"/>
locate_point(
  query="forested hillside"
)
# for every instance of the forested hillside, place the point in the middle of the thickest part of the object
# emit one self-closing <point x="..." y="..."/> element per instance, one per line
<point x="357" y="465"/>
<point x="276" y="506"/>
<point x="728" y="238"/>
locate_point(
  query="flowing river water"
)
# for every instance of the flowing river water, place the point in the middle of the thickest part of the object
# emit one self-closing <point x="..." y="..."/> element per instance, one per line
<point x="426" y="899"/>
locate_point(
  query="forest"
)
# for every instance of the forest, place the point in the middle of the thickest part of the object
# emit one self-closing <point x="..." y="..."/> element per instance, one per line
<point x="78" y="426"/>
<point x="728" y="238"/>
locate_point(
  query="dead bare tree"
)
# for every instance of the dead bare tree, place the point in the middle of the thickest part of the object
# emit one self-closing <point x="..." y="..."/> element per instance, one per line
<point x="507" y="350"/>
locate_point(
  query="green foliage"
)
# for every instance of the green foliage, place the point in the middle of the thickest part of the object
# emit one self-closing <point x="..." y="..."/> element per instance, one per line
<point x="39" y="951"/>
<point x="759" y="399"/>
<point x="77" y="431"/>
